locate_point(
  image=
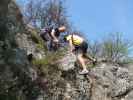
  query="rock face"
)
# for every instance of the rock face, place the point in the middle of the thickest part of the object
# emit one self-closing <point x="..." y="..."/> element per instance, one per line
<point x="67" y="62"/>
<point x="58" y="81"/>
<point x="15" y="69"/>
<point x="26" y="43"/>
<point x="105" y="82"/>
<point x="114" y="81"/>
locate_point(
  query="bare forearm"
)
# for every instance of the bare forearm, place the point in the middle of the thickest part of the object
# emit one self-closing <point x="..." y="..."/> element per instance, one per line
<point x="71" y="45"/>
<point x="53" y="35"/>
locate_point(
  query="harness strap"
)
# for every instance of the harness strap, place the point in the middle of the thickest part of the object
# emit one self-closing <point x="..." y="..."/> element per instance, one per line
<point x="72" y="39"/>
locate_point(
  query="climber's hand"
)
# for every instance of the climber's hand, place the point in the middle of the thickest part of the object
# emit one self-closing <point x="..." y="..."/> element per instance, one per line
<point x="94" y="60"/>
<point x="72" y="50"/>
<point x="56" y="40"/>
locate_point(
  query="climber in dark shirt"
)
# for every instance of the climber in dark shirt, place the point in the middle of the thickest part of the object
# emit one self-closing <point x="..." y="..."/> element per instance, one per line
<point x="52" y="35"/>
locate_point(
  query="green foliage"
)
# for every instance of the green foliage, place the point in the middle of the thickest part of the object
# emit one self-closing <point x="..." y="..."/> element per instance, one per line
<point x="50" y="58"/>
<point x="35" y="37"/>
<point x="113" y="48"/>
<point x="38" y="40"/>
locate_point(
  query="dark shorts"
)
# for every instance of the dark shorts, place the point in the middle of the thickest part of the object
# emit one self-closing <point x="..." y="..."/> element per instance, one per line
<point x="82" y="48"/>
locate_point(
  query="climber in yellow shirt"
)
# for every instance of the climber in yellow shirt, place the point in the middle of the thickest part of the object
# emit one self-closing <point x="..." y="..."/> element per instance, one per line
<point x="80" y="46"/>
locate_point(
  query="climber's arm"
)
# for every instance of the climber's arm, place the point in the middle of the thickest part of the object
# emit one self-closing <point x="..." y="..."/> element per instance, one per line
<point x="71" y="46"/>
<point x="53" y="35"/>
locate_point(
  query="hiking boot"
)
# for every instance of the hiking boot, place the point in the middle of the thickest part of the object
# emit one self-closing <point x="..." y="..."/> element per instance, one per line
<point x="84" y="72"/>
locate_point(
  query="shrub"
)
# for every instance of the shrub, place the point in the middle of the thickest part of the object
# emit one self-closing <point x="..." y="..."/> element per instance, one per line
<point x="50" y="58"/>
<point x="38" y="40"/>
<point x="34" y="36"/>
<point x="113" y="48"/>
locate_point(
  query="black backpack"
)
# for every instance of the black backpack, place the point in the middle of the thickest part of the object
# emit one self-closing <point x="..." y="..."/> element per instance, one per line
<point x="45" y="33"/>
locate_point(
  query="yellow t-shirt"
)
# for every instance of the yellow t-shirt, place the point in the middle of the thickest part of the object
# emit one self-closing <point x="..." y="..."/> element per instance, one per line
<point x="77" y="40"/>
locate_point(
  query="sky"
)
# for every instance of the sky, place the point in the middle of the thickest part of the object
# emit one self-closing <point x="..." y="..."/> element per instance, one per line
<point x="97" y="18"/>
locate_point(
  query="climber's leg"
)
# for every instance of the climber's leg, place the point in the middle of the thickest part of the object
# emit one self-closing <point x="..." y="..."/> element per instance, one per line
<point x="50" y="45"/>
<point x="82" y="63"/>
<point x="55" y="46"/>
<point x="81" y="51"/>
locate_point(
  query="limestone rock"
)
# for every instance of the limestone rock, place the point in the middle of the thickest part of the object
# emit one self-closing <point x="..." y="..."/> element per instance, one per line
<point x="67" y="62"/>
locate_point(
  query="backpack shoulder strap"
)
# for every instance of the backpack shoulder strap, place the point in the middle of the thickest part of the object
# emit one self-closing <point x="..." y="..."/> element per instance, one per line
<point x="72" y="38"/>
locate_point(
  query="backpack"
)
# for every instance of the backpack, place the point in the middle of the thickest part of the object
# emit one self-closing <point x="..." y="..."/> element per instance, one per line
<point x="45" y="33"/>
<point x="72" y="38"/>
